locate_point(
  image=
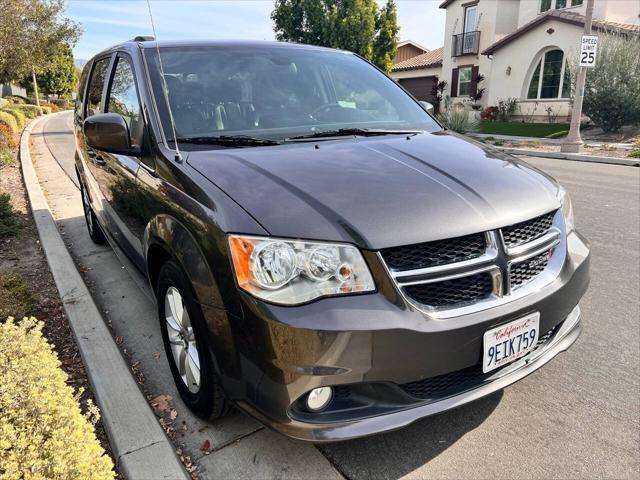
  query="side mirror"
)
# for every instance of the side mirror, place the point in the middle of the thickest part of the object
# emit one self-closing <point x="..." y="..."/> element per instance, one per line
<point x="427" y="106"/>
<point x="109" y="132"/>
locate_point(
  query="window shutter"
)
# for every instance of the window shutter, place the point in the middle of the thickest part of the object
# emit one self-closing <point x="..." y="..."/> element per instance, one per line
<point x="473" y="88"/>
<point x="454" y="82"/>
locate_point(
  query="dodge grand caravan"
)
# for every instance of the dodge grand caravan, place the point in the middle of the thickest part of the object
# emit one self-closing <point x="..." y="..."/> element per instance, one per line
<point x="325" y="255"/>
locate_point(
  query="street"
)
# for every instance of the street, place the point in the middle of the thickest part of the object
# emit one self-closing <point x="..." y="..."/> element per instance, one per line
<point x="577" y="417"/>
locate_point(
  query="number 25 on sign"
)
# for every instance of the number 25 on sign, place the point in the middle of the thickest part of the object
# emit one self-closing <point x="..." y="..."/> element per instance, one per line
<point x="588" y="50"/>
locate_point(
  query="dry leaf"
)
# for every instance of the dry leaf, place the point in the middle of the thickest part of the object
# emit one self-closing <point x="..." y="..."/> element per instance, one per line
<point x="206" y="445"/>
<point x="161" y="403"/>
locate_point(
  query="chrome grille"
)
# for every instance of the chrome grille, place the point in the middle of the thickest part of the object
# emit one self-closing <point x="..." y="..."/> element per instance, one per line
<point x="474" y="272"/>
<point x="525" y="232"/>
<point x="431" y="254"/>
<point x="523" y="272"/>
<point x="453" y="292"/>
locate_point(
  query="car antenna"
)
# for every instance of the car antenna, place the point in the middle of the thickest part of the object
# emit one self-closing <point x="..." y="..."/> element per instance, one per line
<point x="165" y="88"/>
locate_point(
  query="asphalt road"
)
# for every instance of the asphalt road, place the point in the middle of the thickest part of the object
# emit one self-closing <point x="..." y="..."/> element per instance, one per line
<point x="578" y="417"/>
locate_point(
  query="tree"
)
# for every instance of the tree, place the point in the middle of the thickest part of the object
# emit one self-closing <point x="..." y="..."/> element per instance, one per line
<point x="60" y="77"/>
<point x="359" y="26"/>
<point x="31" y="32"/>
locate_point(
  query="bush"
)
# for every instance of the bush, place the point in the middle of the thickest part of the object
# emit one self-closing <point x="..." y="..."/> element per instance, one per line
<point x="6" y="157"/>
<point x="489" y="113"/>
<point x="43" y="433"/>
<point x="52" y="106"/>
<point x="62" y="103"/>
<point x="8" y="217"/>
<point x="457" y="119"/>
<point x="7" y="138"/>
<point x="16" y="99"/>
<point x="15" y="297"/>
<point x="506" y="108"/>
<point x="46" y="110"/>
<point x="8" y="120"/>
<point x="18" y="115"/>
<point x="30" y="111"/>
<point x="612" y="88"/>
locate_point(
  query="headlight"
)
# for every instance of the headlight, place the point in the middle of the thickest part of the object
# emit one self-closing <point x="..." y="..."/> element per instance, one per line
<point x="290" y="272"/>
<point x="567" y="210"/>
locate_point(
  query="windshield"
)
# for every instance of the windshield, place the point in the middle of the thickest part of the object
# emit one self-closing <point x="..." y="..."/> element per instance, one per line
<point x="276" y="93"/>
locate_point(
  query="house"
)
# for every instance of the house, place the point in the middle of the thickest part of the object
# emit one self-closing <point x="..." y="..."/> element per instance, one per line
<point x="417" y="69"/>
<point x="521" y="48"/>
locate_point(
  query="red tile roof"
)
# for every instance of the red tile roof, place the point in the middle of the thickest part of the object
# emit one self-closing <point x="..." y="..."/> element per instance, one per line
<point x="572" y="18"/>
<point x="425" y="60"/>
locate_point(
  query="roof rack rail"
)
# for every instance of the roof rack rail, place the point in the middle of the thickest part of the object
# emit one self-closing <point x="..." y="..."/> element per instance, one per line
<point x="144" y="38"/>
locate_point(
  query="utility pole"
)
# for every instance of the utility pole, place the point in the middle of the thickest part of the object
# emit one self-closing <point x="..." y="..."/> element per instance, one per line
<point x="573" y="141"/>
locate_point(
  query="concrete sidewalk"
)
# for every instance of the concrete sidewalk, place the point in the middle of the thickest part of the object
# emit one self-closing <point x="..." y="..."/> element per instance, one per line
<point x="239" y="447"/>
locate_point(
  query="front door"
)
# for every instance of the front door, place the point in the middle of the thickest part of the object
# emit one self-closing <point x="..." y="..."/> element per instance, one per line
<point x="119" y="186"/>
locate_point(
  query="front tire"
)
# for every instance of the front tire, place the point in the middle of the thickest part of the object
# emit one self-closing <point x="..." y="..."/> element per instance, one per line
<point x="185" y="338"/>
<point x="95" y="232"/>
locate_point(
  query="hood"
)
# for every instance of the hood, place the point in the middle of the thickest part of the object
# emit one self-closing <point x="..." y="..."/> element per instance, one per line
<point x="379" y="192"/>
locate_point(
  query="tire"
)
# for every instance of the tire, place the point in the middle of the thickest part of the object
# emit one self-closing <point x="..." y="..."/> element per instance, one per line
<point x="93" y="227"/>
<point x="204" y="397"/>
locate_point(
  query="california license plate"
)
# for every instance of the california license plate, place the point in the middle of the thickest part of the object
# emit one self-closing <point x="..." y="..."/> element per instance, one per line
<point x="509" y="342"/>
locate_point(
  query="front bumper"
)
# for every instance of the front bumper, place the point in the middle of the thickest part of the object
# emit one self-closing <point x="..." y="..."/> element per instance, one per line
<point x="379" y="339"/>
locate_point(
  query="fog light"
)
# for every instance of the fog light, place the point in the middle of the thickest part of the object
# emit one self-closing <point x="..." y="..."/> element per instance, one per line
<point x="319" y="398"/>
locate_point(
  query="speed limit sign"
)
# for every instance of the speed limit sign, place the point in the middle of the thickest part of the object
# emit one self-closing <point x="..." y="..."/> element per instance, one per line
<point x="588" y="50"/>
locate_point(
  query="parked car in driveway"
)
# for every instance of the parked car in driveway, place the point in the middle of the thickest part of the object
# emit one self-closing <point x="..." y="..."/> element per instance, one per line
<point x="325" y="256"/>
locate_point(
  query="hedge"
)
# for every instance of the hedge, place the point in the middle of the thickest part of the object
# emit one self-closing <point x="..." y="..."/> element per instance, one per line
<point x="46" y="110"/>
<point x="31" y="111"/>
<point x="17" y="99"/>
<point x="43" y="433"/>
<point x="8" y="120"/>
<point x="7" y="137"/>
<point x="18" y="115"/>
<point x="52" y="106"/>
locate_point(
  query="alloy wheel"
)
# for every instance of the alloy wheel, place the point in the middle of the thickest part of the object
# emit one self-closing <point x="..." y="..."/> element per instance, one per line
<point x="182" y="339"/>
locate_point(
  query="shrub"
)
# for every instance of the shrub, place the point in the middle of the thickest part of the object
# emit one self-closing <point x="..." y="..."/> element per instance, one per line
<point x="15" y="297"/>
<point x="612" y="88"/>
<point x="8" y="120"/>
<point x="489" y="113"/>
<point x="8" y="217"/>
<point x="7" y="138"/>
<point x="46" y="110"/>
<point x="30" y="111"/>
<point x="506" y="108"/>
<point x="6" y="157"/>
<point x="18" y="115"/>
<point x="62" y="103"/>
<point x="43" y="433"/>
<point x="457" y="119"/>
<point x="498" y="143"/>
<point x="52" y="106"/>
<point x="16" y="99"/>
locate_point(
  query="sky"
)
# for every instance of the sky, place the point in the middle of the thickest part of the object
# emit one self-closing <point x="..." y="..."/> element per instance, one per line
<point x="108" y="22"/>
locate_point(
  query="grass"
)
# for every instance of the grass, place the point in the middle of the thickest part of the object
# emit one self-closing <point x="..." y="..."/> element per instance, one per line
<point x="520" y="129"/>
<point x="15" y="296"/>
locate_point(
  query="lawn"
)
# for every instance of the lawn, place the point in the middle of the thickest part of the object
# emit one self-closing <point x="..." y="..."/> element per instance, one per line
<point x="520" y="129"/>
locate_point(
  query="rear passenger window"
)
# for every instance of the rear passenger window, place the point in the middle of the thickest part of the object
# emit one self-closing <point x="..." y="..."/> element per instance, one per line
<point x="123" y="98"/>
<point x="96" y="84"/>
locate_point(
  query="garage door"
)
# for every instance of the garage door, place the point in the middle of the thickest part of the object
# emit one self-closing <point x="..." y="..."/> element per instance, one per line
<point x="419" y="87"/>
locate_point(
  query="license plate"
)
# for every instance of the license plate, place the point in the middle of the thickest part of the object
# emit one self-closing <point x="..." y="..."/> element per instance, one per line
<point x="509" y="342"/>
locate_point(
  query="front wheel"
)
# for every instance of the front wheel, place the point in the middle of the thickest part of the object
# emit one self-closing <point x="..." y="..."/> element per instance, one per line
<point x="185" y="338"/>
<point x="95" y="232"/>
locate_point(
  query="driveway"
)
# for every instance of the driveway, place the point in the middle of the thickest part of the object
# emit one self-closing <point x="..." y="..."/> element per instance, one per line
<point x="578" y="417"/>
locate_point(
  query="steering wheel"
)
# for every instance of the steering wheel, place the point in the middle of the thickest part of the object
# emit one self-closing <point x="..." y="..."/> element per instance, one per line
<point x="327" y="107"/>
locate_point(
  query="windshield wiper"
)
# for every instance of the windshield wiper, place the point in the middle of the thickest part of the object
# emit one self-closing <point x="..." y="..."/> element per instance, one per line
<point x="352" y="132"/>
<point x="229" y="140"/>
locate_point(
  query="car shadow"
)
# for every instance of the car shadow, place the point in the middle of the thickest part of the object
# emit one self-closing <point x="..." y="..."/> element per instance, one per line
<point x="398" y="453"/>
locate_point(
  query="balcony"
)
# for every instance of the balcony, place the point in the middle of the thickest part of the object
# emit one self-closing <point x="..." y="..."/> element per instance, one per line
<point x="467" y="43"/>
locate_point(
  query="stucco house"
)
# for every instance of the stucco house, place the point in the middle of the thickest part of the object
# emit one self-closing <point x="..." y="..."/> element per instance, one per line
<point x="417" y="69"/>
<point x="521" y="48"/>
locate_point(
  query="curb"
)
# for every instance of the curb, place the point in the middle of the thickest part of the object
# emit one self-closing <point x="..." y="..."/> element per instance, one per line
<point x="631" y="162"/>
<point x="140" y="446"/>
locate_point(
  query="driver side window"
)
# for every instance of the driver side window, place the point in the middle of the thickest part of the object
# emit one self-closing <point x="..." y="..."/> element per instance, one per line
<point x="123" y="98"/>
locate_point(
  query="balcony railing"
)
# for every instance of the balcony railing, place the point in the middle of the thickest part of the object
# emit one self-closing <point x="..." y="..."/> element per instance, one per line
<point x="467" y="43"/>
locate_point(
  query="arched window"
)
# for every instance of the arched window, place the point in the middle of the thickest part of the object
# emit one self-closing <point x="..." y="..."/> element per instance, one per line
<point x="550" y="78"/>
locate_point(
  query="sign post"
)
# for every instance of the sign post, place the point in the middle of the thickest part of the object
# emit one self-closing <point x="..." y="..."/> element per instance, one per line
<point x="588" y="50"/>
